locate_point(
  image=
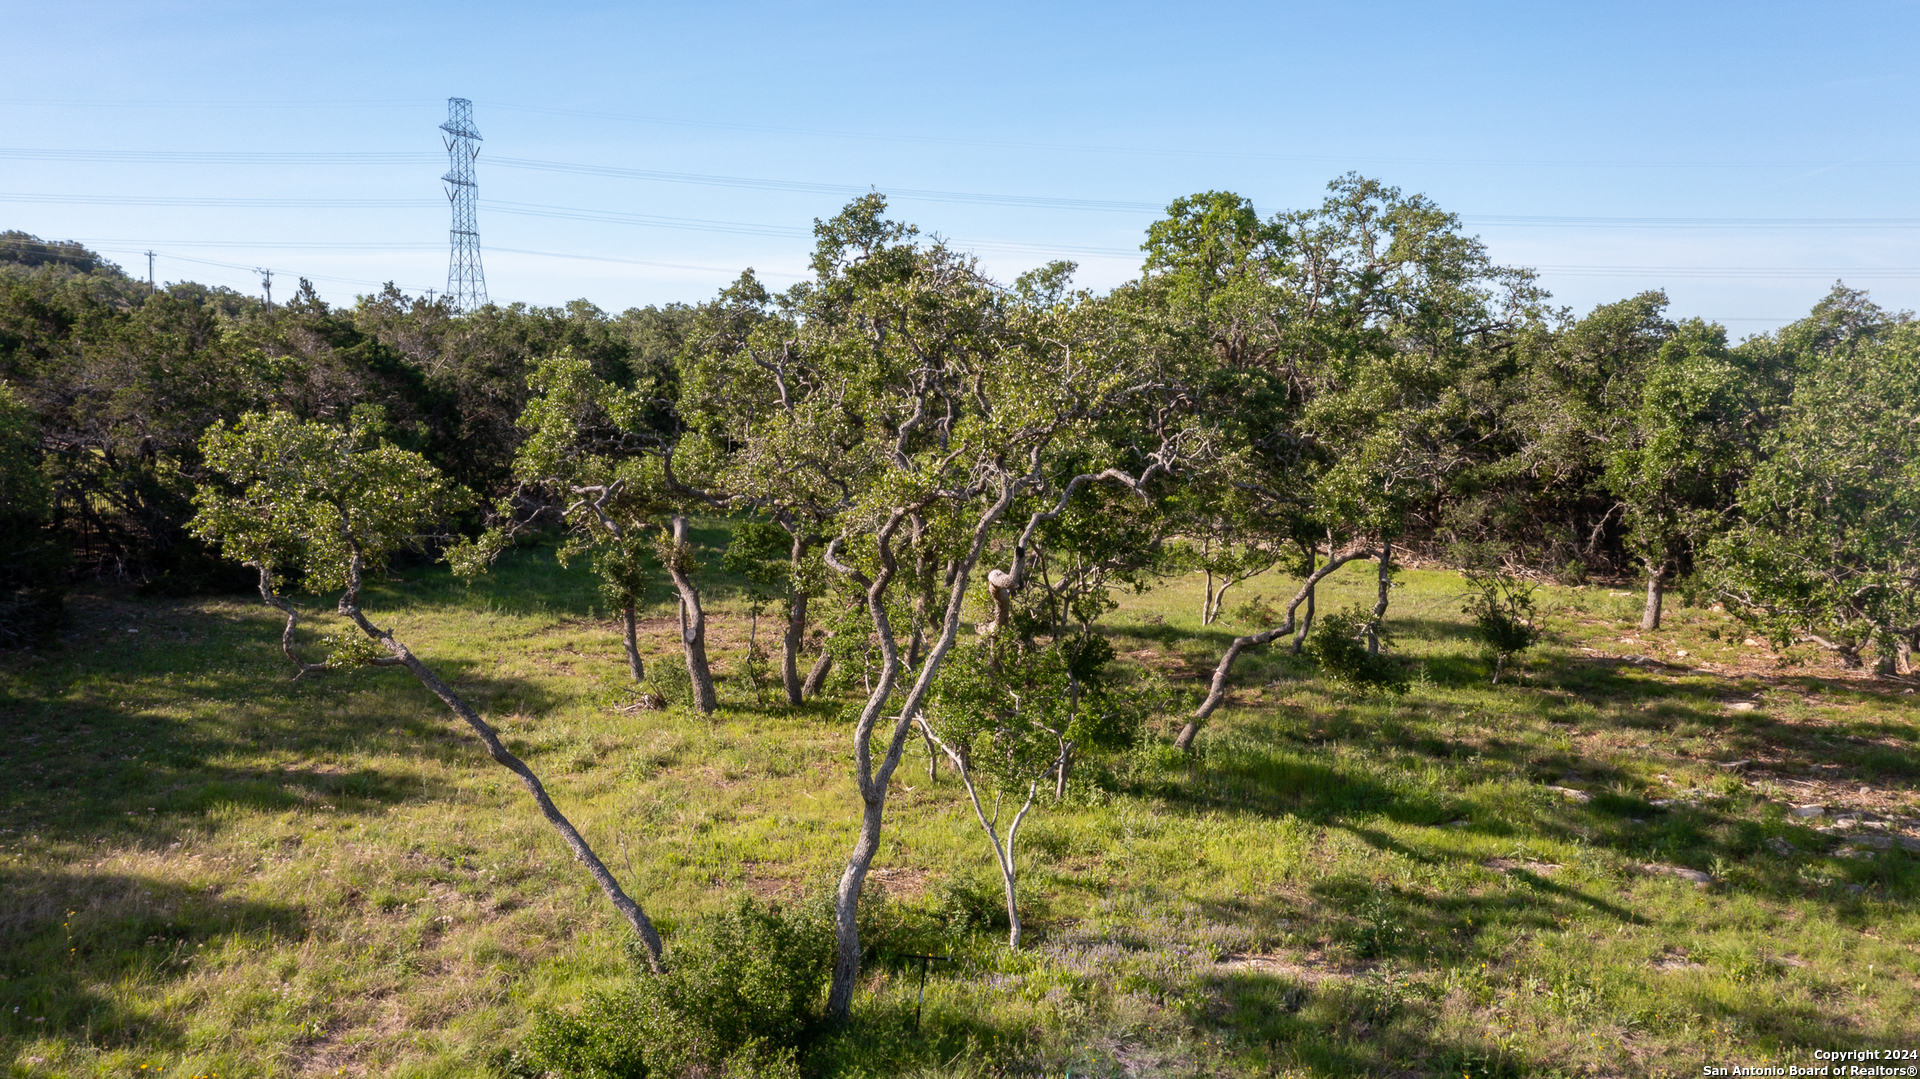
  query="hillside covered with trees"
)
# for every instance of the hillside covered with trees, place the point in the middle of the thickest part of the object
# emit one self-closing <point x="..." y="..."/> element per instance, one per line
<point x="1186" y="667"/>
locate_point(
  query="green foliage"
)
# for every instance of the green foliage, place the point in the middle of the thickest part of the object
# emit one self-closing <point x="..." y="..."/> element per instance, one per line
<point x="1012" y="709"/>
<point x="760" y="552"/>
<point x="326" y="503"/>
<point x="1502" y="610"/>
<point x="1673" y="467"/>
<point x="1255" y="611"/>
<point x="741" y="991"/>
<point x="33" y="573"/>
<point x="966" y="907"/>
<point x="308" y="893"/>
<point x="24" y="249"/>
<point x="1824" y="548"/>
<point x="1338" y="647"/>
<point x="671" y="681"/>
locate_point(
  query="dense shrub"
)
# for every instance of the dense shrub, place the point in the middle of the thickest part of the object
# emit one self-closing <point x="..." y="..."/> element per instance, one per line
<point x="1337" y="645"/>
<point x="1502" y="610"/>
<point x="33" y="573"/>
<point x="740" y="991"/>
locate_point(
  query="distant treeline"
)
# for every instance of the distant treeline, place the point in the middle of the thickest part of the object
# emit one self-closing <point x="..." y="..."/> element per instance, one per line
<point x="108" y="390"/>
<point x="1364" y="347"/>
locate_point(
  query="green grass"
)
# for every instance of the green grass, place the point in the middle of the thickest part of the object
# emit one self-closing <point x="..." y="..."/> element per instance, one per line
<point x="208" y="868"/>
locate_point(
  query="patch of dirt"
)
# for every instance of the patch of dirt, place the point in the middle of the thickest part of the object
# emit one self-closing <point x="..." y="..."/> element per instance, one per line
<point x="765" y="882"/>
<point x="1504" y="865"/>
<point x="1170" y="665"/>
<point x="338" y="1053"/>
<point x="1695" y="876"/>
<point x="1311" y="968"/>
<point x="1843" y="798"/>
<point x="902" y="883"/>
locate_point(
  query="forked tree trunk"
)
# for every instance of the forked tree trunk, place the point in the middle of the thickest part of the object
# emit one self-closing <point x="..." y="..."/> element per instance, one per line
<point x="635" y="666"/>
<point x="1380" y="604"/>
<point x="790" y="645"/>
<point x="873" y="776"/>
<point x="1903" y="655"/>
<point x="693" y="620"/>
<point x="1003" y="853"/>
<point x="1217" y="689"/>
<point x="1656" y="595"/>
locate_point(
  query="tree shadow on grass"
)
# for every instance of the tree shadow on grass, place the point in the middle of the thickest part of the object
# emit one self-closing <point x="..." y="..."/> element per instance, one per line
<point x="1245" y="1023"/>
<point x="64" y="935"/>
<point x="1349" y="1026"/>
<point x="1432" y="629"/>
<point x="1281" y="766"/>
<point x="168" y="734"/>
<point x="1560" y="898"/>
<point x="1249" y="777"/>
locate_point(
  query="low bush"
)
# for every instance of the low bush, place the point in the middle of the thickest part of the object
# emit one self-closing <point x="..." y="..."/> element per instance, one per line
<point x="1338" y="646"/>
<point x="741" y="990"/>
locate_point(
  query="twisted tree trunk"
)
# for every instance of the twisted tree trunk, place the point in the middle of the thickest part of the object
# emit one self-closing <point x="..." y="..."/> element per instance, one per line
<point x="1306" y="623"/>
<point x="873" y="776"/>
<point x="693" y="619"/>
<point x="635" y="666"/>
<point x="1380" y="604"/>
<point x="1217" y="689"/>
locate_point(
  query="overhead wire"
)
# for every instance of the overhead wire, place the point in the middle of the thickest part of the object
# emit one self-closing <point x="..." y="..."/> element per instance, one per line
<point x="1599" y="271"/>
<point x="948" y="140"/>
<point x="411" y="158"/>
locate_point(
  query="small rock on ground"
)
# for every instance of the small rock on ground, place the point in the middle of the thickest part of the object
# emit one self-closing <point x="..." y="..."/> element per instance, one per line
<point x="1694" y="875"/>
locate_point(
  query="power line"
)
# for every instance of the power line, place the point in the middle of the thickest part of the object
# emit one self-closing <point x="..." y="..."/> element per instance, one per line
<point x="1164" y="151"/>
<point x="223" y="103"/>
<point x="1015" y="144"/>
<point x="224" y="157"/>
<point x="810" y="187"/>
<point x="541" y="210"/>
<point x="1591" y="271"/>
<point x="299" y="245"/>
<point x="762" y="184"/>
<point x="215" y="201"/>
<point x="732" y="271"/>
<point x="234" y="265"/>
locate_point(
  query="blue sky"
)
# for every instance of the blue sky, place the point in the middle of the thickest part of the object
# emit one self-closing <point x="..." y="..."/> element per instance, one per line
<point x="1740" y="156"/>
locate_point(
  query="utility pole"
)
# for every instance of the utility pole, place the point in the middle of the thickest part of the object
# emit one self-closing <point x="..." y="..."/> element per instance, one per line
<point x="266" y="280"/>
<point x="149" y="273"/>
<point x="466" y="282"/>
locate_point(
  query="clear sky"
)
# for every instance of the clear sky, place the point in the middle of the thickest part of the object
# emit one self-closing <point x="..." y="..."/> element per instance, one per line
<point x="1741" y="156"/>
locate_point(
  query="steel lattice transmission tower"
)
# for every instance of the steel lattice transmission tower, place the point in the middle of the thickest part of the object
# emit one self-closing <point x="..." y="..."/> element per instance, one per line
<point x="466" y="281"/>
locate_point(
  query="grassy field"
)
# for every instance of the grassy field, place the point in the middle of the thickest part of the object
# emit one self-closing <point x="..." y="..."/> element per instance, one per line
<point x="208" y="869"/>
